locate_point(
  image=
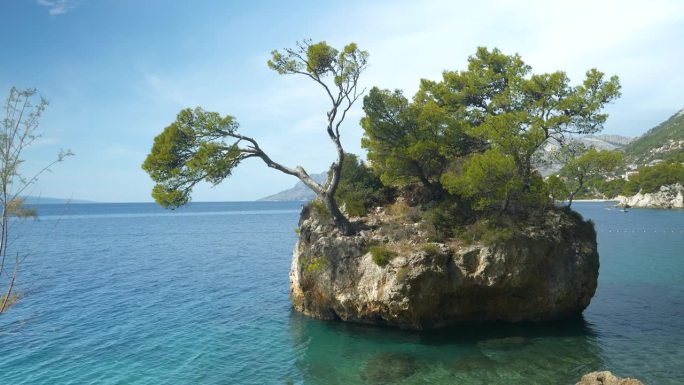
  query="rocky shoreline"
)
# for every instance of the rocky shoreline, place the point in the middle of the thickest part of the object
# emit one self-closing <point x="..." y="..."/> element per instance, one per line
<point x="667" y="197"/>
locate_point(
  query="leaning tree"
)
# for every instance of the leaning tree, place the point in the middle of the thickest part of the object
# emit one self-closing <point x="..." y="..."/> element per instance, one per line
<point x="205" y="146"/>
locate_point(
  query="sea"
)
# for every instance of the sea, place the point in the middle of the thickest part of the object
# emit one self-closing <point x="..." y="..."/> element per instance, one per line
<point x="135" y="294"/>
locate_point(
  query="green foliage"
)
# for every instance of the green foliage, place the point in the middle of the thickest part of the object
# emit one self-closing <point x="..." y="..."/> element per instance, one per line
<point x="319" y="60"/>
<point x="639" y="150"/>
<point x="488" y="179"/>
<point x="319" y="209"/>
<point x="410" y="142"/>
<point x="402" y="210"/>
<point x="381" y="255"/>
<point x="591" y="164"/>
<point x="441" y="218"/>
<point x="607" y="188"/>
<point x="359" y="188"/>
<point x="402" y="272"/>
<point x="315" y="265"/>
<point x="650" y="179"/>
<point x="431" y="249"/>
<point x="475" y="133"/>
<point x="491" y="231"/>
<point x="189" y="150"/>
<point x="558" y="190"/>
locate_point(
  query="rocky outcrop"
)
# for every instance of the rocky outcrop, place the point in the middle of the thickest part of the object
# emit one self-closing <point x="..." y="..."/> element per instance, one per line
<point x="548" y="270"/>
<point x="606" y="378"/>
<point x="668" y="197"/>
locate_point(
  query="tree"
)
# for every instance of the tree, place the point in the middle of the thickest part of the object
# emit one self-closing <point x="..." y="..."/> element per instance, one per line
<point x="651" y="178"/>
<point x="489" y="178"/>
<point x="205" y="146"/>
<point x="17" y="133"/>
<point x="360" y="188"/>
<point x="518" y="112"/>
<point x="558" y="190"/>
<point x="591" y="164"/>
<point x="411" y="142"/>
<point x="481" y="127"/>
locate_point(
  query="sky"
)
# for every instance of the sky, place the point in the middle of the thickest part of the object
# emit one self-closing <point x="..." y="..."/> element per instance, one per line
<point x="116" y="72"/>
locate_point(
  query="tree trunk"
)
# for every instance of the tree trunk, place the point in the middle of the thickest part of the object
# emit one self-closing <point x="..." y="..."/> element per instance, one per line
<point x="340" y="220"/>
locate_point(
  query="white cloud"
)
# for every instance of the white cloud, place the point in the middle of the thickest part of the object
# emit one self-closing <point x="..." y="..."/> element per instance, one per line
<point x="58" y="7"/>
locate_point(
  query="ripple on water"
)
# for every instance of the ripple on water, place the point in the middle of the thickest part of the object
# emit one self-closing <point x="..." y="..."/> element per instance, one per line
<point x="128" y="294"/>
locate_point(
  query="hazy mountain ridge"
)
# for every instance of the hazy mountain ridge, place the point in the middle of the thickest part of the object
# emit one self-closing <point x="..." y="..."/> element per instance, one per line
<point x="600" y="142"/>
<point x="299" y="192"/>
<point x="38" y="200"/>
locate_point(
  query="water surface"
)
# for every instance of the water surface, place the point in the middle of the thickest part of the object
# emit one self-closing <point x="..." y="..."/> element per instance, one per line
<point x="133" y="294"/>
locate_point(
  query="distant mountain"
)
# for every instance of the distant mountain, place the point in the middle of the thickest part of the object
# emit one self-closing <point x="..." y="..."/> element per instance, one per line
<point x="660" y="142"/>
<point x="600" y="142"/>
<point x="37" y="200"/>
<point x="299" y="192"/>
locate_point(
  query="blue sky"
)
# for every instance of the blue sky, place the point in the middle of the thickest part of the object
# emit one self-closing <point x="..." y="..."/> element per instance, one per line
<point x="116" y="72"/>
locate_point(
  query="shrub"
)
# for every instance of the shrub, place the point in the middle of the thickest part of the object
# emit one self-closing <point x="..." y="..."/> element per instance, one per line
<point x="402" y="272"/>
<point x="441" y="219"/>
<point x="319" y="209"/>
<point x="491" y="231"/>
<point x="431" y="249"/>
<point x="402" y="210"/>
<point x="316" y="264"/>
<point x="651" y="178"/>
<point x="381" y="255"/>
<point x="360" y="188"/>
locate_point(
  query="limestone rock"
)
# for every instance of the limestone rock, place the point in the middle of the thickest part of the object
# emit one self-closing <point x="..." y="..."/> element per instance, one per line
<point x="606" y="378"/>
<point x="668" y="197"/>
<point x="548" y="271"/>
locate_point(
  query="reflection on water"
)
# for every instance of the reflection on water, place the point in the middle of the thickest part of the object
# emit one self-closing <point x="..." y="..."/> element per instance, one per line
<point x="550" y="353"/>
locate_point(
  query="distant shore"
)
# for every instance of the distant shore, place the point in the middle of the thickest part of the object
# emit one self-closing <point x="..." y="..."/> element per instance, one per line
<point x="595" y="200"/>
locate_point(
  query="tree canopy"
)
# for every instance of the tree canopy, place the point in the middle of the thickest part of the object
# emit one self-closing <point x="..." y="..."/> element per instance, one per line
<point x="591" y="164"/>
<point x="476" y="132"/>
<point x="206" y="146"/>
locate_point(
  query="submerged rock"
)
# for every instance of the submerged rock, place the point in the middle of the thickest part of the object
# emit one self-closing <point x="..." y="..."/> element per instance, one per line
<point x="668" y="197"/>
<point x="606" y="378"/>
<point x="547" y="271"/>
<point x="389" y="368"/>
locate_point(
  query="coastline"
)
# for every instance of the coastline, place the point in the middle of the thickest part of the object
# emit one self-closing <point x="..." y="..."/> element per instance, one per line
<point x="595" y="200"/>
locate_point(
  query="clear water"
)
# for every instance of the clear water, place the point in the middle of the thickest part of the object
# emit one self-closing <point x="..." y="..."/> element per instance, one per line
<point x="133" y="294"/>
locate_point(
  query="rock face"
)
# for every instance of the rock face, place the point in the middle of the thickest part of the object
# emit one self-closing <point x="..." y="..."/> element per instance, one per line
<point x="548" y="271"/>
<point x="606" y="378"/>
<point x="669" y="197"/>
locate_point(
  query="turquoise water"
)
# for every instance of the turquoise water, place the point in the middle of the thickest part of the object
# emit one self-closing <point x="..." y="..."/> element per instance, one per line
<point x="132" y="294"/>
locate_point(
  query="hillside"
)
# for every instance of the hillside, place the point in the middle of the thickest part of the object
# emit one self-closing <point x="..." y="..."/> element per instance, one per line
<point x="660" y="142"/>
<point x="600" y="142"/>
<point x="299" y="192"/>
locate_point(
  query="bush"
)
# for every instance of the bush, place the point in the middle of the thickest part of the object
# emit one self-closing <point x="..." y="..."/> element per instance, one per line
<point x="381" y="255"/>
<point x="316" y="264"/>
<point x="402" y="272"/>
<point x="431" y="249"/>
<point x="360" y="188"/>
<point x="442" y="218"/>
<point x="651" y="178"/>
<point x="491" y="231"/>
<point x="319" y="209"/>
<point x="402" y="210"/>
